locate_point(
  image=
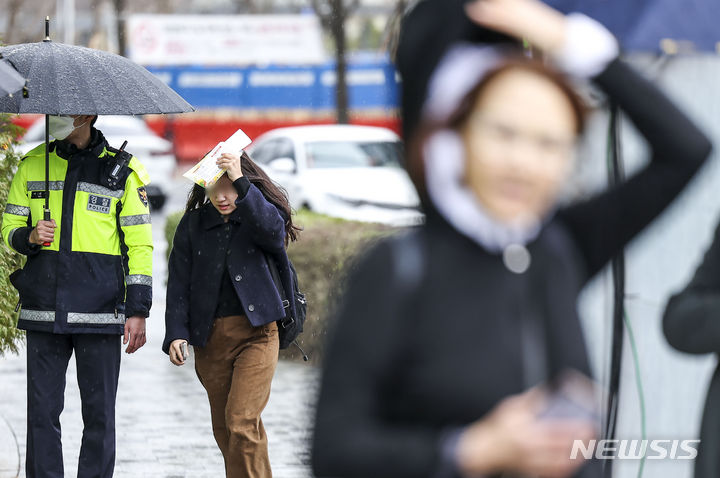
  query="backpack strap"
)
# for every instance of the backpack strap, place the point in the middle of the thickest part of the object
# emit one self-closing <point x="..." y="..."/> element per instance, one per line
<point x="275" y="275"/>
<point x="408" y="262"/>
<point x="533" y="333"/>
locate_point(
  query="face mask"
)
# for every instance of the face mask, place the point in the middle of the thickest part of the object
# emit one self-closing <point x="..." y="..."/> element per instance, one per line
<point x="60" y="127"/>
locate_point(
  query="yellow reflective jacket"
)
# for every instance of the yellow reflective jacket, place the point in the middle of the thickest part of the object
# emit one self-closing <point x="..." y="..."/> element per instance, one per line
<point x="98" y="270"/>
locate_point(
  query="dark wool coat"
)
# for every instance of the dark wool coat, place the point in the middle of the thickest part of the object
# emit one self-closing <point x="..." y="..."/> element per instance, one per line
<point x="203" y="241"/>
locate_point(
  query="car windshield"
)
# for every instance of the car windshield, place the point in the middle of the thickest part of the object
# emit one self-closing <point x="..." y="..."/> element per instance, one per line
<point x="122" y="130"/>
<point x="353" y="154"/>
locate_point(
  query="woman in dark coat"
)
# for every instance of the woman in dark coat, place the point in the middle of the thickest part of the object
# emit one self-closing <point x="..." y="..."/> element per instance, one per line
<point x="221" y="298"/>
<point x="427" y="368"/>
<point x="692" y="324"/>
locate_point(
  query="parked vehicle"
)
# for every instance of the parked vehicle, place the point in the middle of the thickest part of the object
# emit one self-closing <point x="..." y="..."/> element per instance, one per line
<point x="154" y="152"/>
<point x="351" y="172"/>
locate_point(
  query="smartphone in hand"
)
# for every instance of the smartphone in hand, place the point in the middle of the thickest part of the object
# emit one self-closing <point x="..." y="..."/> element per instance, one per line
<point x="184" y="350"/>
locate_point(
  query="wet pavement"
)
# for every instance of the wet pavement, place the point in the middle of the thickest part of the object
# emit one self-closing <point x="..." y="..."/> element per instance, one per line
<point x="163" y="417"/>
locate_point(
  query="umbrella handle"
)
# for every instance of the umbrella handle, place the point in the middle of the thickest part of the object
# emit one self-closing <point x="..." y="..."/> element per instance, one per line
<point x="46" y="217"/>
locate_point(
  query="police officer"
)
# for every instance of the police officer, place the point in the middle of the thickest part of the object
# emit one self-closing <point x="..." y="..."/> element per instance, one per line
<point x="86" y="283"/>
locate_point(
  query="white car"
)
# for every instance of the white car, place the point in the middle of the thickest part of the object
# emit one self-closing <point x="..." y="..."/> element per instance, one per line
<point x="154" y="152"/>
<point x="351" y="172"/>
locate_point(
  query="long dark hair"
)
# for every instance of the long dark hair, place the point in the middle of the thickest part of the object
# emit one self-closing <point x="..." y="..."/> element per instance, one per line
<point x="273" y="193"/>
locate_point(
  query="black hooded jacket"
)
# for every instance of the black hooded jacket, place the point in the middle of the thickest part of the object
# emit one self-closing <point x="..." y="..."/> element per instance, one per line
<point x="431" y="27"/>
<point x="401" y="371"/>
<point x="692" y="324"/>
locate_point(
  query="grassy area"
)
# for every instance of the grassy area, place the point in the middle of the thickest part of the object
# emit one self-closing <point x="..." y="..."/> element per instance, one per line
<point x="170" y="225"/>
<point x="326" y="247"/>
<point x="320" y="256"/>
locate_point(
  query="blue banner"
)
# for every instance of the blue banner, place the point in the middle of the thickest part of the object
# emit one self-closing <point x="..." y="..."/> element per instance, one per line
<point x="371" y="85"/>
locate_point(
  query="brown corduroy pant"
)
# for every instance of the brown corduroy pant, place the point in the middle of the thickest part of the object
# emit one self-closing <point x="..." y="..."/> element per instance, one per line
<point x="236" y="367"/>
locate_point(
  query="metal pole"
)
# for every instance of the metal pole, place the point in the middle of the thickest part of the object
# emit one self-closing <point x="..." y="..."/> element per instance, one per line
<point x="59" y="5"/>
<point x="47" y="167"/>
<point x="46" y="212"/>
<point x="69" y="21"/>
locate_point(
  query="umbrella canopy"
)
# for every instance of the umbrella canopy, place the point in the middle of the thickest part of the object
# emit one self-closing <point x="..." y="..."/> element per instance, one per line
<point x="68" y="79"/>
<point x="641" y="25"/>
<point x="10" y="80"/>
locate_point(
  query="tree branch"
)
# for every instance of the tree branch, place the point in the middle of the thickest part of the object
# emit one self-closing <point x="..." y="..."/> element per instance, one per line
<point x="325" y="19"/>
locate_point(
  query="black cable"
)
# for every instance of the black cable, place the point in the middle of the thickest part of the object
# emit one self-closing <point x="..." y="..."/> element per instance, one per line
<point x="616" y="175"/>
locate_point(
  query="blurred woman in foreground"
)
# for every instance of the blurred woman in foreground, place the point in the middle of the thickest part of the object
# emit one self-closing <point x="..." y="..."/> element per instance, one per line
<point x="446" y="363"/>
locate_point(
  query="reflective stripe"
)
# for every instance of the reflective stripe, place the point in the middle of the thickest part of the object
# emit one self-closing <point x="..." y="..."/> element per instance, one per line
<point x="17" y="210"/>
<point x="86" y="318"/>
<point x="97" y="189"/>
<point x="37" y="315"/>
<point x="134" y="220"/>
<point x="10" y="236"/>
<point x="40" y="185"/>
<point x="73" y="317"/>
<point x="138" y="279"/>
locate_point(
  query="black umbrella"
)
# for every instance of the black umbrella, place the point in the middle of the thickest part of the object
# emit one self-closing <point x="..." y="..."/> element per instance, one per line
<point x="72" y="80"/>
<point x="10" y="80"/>
<point x="68" y="79"/>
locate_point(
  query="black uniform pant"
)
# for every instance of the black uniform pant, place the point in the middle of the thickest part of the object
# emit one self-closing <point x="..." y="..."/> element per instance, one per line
<point x="98" y="366"/>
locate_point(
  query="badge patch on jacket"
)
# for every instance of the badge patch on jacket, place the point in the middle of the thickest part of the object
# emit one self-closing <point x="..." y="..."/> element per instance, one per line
<point x="99" y="204"/>
<point x="37" y="195"/>
<point x="143" y="195"/>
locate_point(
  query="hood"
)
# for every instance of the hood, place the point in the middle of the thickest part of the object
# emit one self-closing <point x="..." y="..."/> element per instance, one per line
<point x="428" y="30"/>
<point x="588" y="48"/>
<point x="444" y="169"/>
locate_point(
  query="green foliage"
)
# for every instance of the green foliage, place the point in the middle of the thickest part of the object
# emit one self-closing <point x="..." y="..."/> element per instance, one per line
<point x="321" y="256"/>
<point x="10" y="336"/>
<point x="370" y="37"/>
<point x="170" y="225"/>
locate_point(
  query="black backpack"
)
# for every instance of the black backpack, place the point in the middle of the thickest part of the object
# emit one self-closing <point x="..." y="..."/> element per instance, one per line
<point x="289" y="327"/>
